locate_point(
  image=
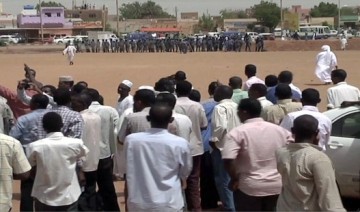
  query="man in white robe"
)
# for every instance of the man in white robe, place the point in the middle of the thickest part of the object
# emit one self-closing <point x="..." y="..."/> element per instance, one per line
<point x="343" y="42"/>
<point x="326" y="62"/>
<point x="70" y="52"/>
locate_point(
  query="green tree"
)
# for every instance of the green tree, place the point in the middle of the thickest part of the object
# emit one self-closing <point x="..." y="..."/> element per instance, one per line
<point x="206" y="23"/>
<point x="348" y="11"/>
<point x="49" y="4"/>
<point x="267" y="14"/>
<point x="147" y="9"/>
<point x="232" y="14"/>
<point x="324" y="10"/>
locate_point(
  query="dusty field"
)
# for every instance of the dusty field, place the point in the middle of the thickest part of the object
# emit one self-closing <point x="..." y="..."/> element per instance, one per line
<point x="105" y="71"/>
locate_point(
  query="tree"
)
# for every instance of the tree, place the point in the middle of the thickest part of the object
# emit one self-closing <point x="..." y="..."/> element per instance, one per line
<point x="49" y="4"/>
<point x="206" y="23"/>
<point x="147" y="9"/>
<point x="267" y="13"/>
<point x="324" y="10"/>
<point x="232" y="14"/>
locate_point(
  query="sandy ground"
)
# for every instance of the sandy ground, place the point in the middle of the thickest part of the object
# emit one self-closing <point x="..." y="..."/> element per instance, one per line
<point x="105" y="71"/>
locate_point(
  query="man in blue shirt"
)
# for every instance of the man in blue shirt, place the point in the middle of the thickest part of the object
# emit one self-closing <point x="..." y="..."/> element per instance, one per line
<point x="285" y="77"/>
<point x="208" y="192"/>
<point x="25" y="131"/>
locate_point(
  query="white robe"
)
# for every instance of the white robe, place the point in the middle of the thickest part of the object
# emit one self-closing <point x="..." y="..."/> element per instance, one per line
<point x="343" y="43"/>
<point x="70" y="51"/>
<point x="326" y="62"/>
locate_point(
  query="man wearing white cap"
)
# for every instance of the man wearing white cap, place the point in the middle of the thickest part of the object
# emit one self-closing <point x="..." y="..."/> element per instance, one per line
<point x="125" y="100"/>
<point x="70" y="51"/>
<point x="66" y="82"/>
<point x="326" y="62"/>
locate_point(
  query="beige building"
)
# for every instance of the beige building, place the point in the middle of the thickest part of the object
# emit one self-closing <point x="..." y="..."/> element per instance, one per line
<point x="239" y="25"/>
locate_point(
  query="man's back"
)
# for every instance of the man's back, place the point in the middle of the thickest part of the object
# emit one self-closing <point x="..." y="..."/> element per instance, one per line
<point x="156" y="161"/>
<point x="275" y="113"/>
<point x="308" y="179"/>
<point x="342" y="92"/>
<point x="55" y="157"/>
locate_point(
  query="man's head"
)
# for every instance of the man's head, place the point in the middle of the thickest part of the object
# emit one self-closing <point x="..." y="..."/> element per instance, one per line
<point x="160" y="116"/>
<point x="257" y="90"/>
<point x="305" y="129"/>
<point x="223" y="92"/>
<point x="39" y="101"/>
<point x="248" y="109"/>
<point x="310" y="97"/>
<point x="212" y="86"/>
<point x="52" y="122"/>
<point x="124" y="88"/>
<point x="66" y="82"/>
<point x="195" y="95"/>
<point x="338" y="75"/>
<point x="165" y="85"/>
<point x="83" y="83"/>
<point x="283" y="91"/>
<point x="30" y="71"/>
<point x="180" y="76"/>
<point x="143" y="98"/>
<point x="271" y="80"/>
<point x="166" y="98"/>
<point x="183" y="88"/>
<point x="235" y="82"/>
<point x="285" y="77"/>
<point x="94" y="94"/>
<point x="62" y="97"/>
<point x="250" y="70"/>
<point x="80" y="102"/>
<point x="77" y="88"/>
<point x="48" y="89"/>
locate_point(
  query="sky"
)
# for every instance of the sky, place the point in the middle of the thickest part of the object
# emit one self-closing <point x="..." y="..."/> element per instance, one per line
<point x="211" y="7"/>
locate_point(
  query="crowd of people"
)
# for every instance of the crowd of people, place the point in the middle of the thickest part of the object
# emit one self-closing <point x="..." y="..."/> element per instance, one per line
<point x="188" y="44"/>
<point x="252" y="146"/>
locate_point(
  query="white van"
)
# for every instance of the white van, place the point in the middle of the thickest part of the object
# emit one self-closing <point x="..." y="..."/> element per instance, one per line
<point x="277" y="32"/>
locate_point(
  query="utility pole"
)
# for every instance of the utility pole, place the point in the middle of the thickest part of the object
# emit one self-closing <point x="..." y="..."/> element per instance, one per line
<point x="339" y="15"/>
<point x="41" y="23"/>
<point x="176" y="15"/>
<point x="281" y="17"/>
<point x="117" y="17"/>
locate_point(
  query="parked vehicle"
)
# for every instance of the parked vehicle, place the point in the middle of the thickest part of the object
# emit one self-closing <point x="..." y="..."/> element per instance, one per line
<point x="307" y="32"/>
<point x="10" y="39"/>
<point x="81" y="38"/>
<point x="101" y="35"/>
<point x="344" y="149"/>
<point x="65" y="39"/>
<point x="277" y="32"/>
<point x="267" y="36"/>
<point x="333" y="33"/>
<point x="253" y="35"/>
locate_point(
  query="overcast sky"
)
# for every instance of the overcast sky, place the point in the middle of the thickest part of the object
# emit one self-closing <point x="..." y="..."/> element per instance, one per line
<point x="203" y="6"/>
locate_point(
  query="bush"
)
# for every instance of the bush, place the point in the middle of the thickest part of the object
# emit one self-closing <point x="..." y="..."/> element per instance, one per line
<point x="2" y="43"/>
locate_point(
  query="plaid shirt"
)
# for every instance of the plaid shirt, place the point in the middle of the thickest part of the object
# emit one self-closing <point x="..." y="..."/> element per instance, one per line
<point x="12" y="161"/>
<point x="73" y="123"/>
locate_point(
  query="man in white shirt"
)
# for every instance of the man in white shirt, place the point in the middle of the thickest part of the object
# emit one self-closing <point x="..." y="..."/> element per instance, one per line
<point x="258" y="91"/>
<point x="341" y="91"/>
<point x="91" y="137"/>
<point x="250" y="72"/>
<point x="310" y="99"/>
<point x="125" y="100"/>
<point x="224" y="119"/>
<point x="109" y="122"/>
<point x="56" y="186"/>
<point x="70" y="52"/>
<point x="154" y="178"/>
<point x="196" y="113"/>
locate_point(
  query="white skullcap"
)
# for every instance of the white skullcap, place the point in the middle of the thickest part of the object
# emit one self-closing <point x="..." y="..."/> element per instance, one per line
<point x="127" y="83"/>
<point x="66" y="79"/>
<point x="147" y="87"/>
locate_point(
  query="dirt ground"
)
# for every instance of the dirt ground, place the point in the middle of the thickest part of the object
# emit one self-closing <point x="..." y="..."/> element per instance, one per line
<point x="105" y="71"/>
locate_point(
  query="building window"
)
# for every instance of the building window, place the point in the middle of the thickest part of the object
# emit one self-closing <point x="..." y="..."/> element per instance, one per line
<point x="48" y="14"/>
<point x="92" y="15"/>
<point x="58" y="14"/>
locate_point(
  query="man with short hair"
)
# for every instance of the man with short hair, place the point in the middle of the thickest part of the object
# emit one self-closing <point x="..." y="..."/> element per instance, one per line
<point x="307" y="173"/>
<point x="56" y="186"/>
<point x="271" y="81"/>
<point x="91" y="137"/>
<point x="238" y="94"/>
<point x="249" y="157"/>
<point x="13" y="165"/>
<point x="285" y="105"/>
<point x="341" y="91"/>
<point x="258" y="91"/>
<point x="224" y="119"/>
<point x="285" y="77"/>
<point x="250" y="72"/>
<point x="196" y="113"/>
<point x="23" y="131"/>
<point x="154" y="178"/>
<point x="125" y="100"/>
<point x="109" y="122"/>
<point x="310" y="98"/>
